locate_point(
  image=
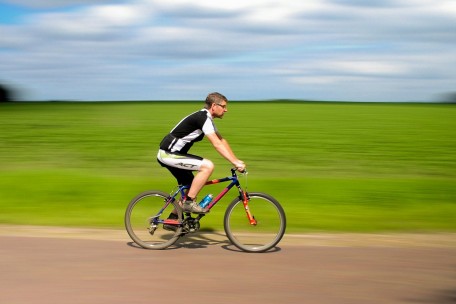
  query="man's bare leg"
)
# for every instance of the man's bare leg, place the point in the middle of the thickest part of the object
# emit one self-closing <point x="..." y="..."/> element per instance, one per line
<point x="206" y="169"/>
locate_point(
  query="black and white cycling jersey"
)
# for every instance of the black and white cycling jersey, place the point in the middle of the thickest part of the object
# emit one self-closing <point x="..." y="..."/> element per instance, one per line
<point x="188" y="131"/>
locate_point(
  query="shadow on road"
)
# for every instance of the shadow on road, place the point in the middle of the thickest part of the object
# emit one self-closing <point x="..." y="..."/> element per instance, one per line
<point x="204" y="239"/>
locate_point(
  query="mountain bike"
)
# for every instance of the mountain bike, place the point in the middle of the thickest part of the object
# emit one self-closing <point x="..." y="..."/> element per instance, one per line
<point x="253" y="221"/>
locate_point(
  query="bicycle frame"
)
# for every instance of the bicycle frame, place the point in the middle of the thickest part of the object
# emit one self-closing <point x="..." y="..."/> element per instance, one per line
<point x="234" y="181"/>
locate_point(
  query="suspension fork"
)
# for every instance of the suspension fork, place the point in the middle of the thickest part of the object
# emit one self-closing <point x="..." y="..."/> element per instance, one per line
<point x="245" y="201"/>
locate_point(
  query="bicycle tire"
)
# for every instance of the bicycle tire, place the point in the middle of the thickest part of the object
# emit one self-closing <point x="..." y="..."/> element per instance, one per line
<point x="141" y="214"/>
<point x="270" y="227"/>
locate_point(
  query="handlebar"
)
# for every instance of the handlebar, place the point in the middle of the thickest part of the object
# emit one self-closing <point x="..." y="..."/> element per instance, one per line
<point x="233" y="171"/>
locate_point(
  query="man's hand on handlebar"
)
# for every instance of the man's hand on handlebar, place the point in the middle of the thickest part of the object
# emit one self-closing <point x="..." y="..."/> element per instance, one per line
<point x="240" y="166"/>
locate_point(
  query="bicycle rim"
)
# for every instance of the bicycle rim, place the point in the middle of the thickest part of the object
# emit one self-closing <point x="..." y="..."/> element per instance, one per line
<point x="144" y="222"/>
<point x="267" y="232"/>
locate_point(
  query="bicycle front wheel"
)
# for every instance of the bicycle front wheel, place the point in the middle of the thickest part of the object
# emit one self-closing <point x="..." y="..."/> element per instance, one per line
<point x="145" y="220"/>
<point x="268" y="230"/>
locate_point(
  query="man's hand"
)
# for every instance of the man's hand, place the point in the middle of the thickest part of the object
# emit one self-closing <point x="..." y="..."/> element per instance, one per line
<point x="240" y="166"/>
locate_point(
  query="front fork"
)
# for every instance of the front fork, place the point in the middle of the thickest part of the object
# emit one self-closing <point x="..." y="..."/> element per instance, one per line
<point x="245" y="200"/>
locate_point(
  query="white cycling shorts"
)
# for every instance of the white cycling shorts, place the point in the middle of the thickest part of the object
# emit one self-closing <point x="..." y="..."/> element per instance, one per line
<point x="180" y="161"/>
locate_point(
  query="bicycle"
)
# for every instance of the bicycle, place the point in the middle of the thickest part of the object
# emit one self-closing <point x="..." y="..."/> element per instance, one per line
<point x="253" y="221"/>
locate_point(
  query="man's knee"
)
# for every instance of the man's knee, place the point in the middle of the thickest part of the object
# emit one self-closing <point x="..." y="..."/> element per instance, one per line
<point x="207" y="165"/>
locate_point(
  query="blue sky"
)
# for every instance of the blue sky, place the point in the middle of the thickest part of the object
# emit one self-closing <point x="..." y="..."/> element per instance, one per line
<point x="11" y="13"/>
<point x="389" y="50"/>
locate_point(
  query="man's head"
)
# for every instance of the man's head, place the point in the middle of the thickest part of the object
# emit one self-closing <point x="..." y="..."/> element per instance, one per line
<point x="216" y="103"/>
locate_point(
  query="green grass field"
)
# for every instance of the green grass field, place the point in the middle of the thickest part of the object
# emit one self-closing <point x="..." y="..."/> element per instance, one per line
<point x="352" y="167"/>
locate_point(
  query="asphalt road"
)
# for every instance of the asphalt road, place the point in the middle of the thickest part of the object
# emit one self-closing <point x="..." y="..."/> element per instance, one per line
<point x="205" y="269"/>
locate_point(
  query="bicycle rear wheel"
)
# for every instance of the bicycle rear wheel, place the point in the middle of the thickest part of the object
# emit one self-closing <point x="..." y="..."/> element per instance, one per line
<point x="144" y="220"/>
<point x="270" y="223"/>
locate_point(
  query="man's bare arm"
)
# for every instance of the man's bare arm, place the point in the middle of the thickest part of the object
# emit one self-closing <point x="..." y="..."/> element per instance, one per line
<point x="224" y="149"/>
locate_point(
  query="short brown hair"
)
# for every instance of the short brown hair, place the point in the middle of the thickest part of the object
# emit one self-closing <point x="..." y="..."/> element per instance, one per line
<point x="214" y="98"/>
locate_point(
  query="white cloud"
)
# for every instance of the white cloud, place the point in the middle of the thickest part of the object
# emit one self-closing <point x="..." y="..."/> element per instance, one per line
<point x="118" y="15"/>
<point x="362" y="67"/>
<point x="93" y="20"/>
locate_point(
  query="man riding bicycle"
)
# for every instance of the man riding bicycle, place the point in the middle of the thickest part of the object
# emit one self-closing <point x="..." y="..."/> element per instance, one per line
<point x="173" y="152"/>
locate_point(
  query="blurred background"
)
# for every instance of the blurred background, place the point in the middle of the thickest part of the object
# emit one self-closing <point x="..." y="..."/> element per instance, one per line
<point x="375" y="152"/>
<point x="362" y="167"/>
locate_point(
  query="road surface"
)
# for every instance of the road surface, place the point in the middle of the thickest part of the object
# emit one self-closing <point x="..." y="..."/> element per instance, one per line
<point x="70" y="266"/>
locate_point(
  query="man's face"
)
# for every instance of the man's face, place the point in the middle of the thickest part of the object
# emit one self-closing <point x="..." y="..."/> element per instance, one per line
<point x="218" y="109"/>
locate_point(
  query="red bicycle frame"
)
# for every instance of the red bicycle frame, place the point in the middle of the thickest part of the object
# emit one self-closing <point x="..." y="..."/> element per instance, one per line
<point x="243" y="195"/>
